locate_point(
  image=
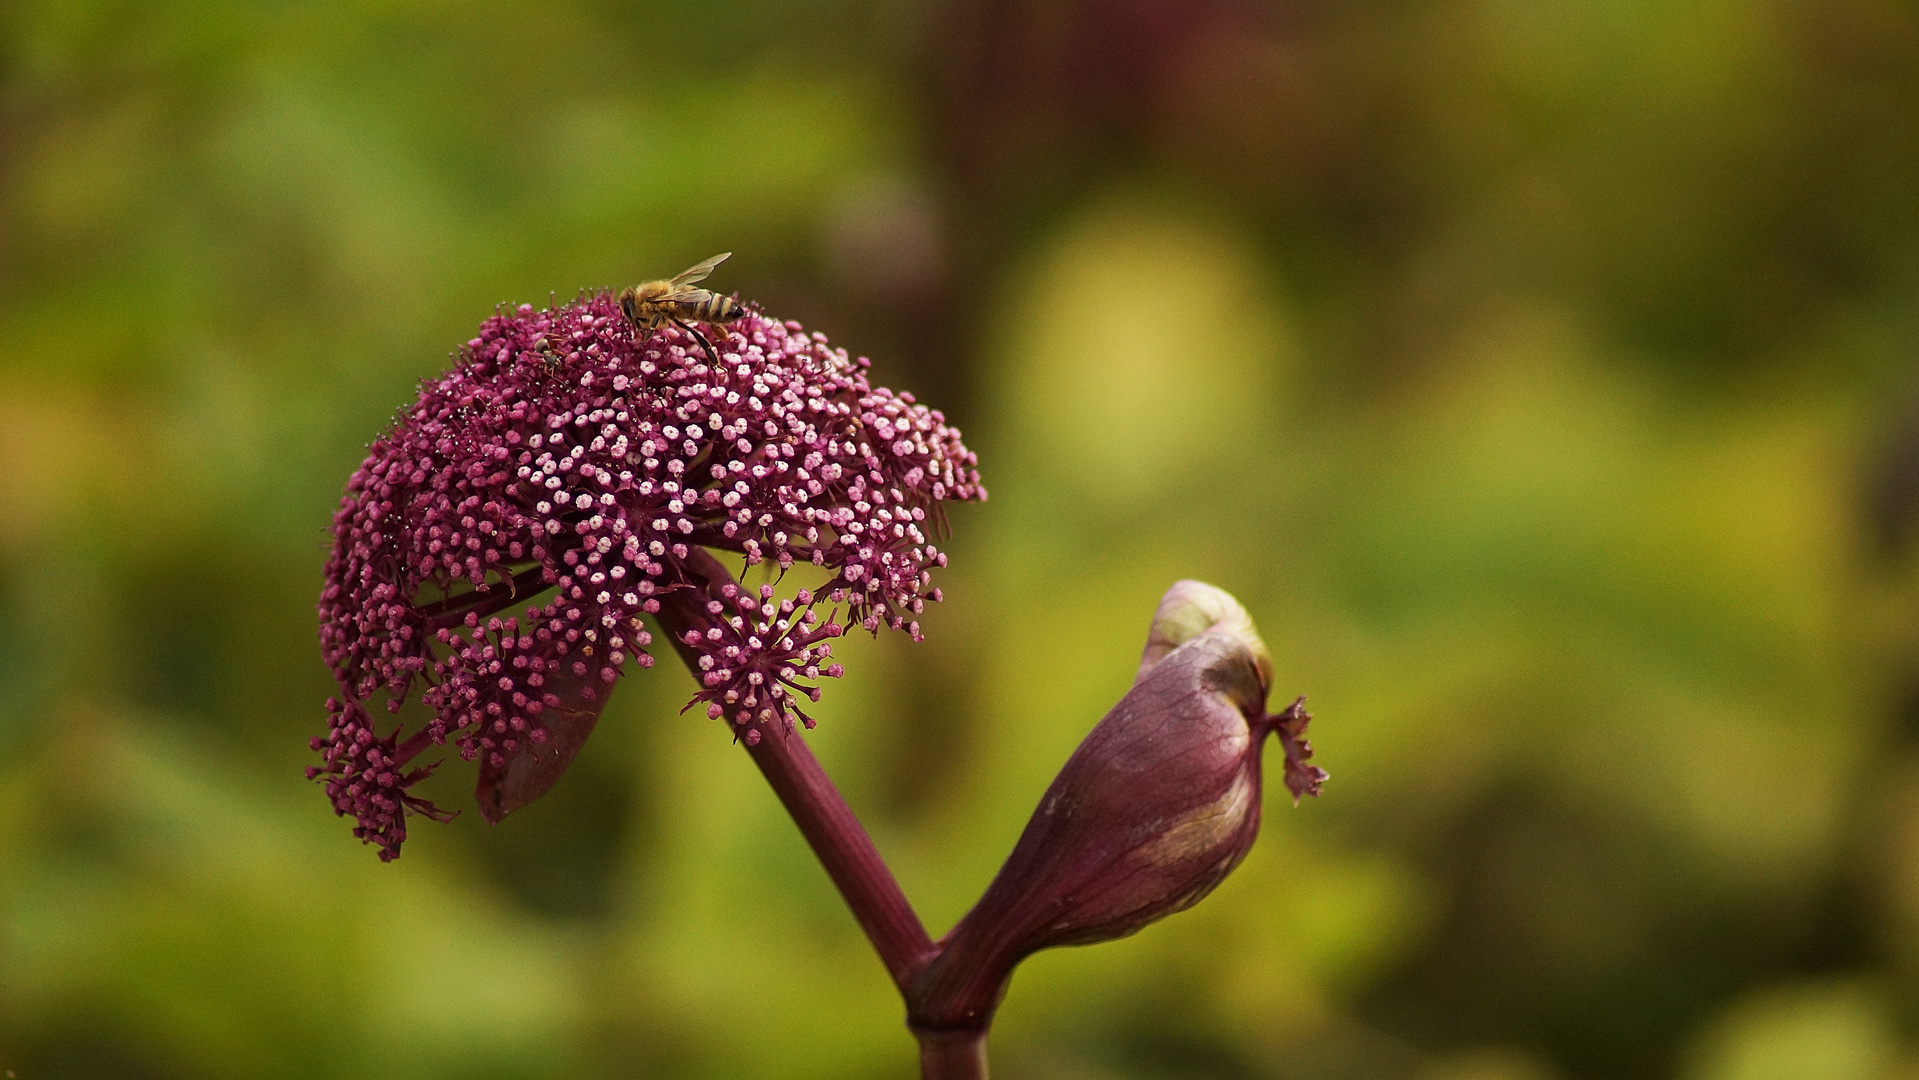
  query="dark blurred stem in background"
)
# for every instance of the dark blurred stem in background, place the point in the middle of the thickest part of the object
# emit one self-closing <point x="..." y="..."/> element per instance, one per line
<point x="840" y="843"/>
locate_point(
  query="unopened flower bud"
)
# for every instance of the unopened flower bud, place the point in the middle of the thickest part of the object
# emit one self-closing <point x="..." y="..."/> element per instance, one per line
<point x="1155" y="808"/>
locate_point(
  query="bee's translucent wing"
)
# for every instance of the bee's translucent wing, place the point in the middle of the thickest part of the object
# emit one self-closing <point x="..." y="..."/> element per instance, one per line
<point x="698" y="271"/>
<point x="687" y="296"/>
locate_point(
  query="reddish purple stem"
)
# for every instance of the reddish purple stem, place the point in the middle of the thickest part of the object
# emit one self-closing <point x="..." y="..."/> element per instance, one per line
<point x="953" y="1055"/>
<point x="814" y="804"/>
<point x="846" y="851"/>
<point x="839" y="841"/>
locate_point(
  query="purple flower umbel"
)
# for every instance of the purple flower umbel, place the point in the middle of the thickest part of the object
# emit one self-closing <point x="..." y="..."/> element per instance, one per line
<point x="564" y="468"/>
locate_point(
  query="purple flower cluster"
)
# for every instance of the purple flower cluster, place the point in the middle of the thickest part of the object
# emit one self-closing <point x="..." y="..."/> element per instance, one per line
<point x="562" y="460"/>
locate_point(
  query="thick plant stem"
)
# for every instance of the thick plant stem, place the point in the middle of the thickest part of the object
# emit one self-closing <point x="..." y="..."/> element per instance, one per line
<point x="952" y="1055"/>
<point x="816" y="806"/>
<point x="847" y="853"/>
<point x="843" y="848"/>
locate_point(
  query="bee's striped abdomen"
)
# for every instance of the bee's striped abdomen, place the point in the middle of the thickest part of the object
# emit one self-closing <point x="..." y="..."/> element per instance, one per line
<point x="715" y="309"/>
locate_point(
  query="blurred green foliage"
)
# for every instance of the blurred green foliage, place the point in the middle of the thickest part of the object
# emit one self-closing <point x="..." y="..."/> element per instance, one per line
<point x="1541" y="375"/>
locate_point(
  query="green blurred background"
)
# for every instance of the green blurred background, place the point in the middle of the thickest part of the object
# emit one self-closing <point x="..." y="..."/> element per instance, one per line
<point x="1540" y="374"/>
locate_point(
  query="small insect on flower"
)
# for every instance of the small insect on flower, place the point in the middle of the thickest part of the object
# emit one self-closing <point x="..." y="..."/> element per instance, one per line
<point x="650" y="304"/>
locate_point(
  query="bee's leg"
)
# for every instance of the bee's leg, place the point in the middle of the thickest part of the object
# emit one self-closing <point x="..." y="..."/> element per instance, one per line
<point x="711" y="356"/>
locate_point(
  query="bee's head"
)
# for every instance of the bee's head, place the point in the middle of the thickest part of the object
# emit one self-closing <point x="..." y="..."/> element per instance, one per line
<point x="626" y="305"/>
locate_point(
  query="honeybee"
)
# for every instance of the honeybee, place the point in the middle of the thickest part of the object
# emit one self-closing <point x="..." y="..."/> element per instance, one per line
<point x="651" y="304"/>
